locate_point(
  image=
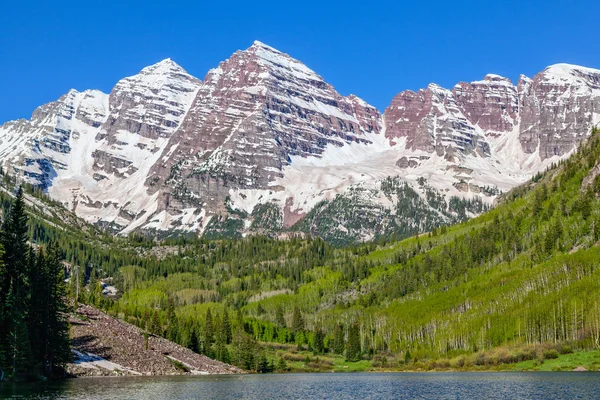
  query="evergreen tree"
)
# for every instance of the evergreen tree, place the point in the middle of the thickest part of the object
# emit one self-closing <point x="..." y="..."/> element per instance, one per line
<point x="193" y="342"/>
<point x="244" y="350"/>
<point x="239" y="320"/>
<point x="38" y="315"/>
<point x="155" y="325"/>
<point x="14" y="288"/>
<point x="226" y="327"/>
<point x="57" y="349"/>
<point x="262" y="364"/>
<point x="279" y="317"/>
<point x="407" y="357"/>
<point x="353" y="350"/>
<point x="297" y="320"/>
<point x="172" y="323"/>
<point x="339" y="344"/>
<point x="208" y="329"/>
<point x="319" y="341"/>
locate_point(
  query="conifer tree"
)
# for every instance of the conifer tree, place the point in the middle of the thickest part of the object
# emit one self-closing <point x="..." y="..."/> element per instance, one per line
<point x="353" y="350"/>
<point x="172" y="323"/>
<point x="226" y="327"/>
<point x="319" y="341"/>
<point x="193" y="341"/>
<point x="37" y="318"/>
<point x="339" y="343"/>
<point x="297" y="320"/>
<point x="14" y="288"/>
<point x="57" y="349"/>
<point x="155" y="325"/>
<point x="279" y="317"/>
<point x="208" y="329"/>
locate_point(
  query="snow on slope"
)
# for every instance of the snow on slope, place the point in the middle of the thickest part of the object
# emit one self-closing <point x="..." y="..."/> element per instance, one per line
<point x="265" y="128"/>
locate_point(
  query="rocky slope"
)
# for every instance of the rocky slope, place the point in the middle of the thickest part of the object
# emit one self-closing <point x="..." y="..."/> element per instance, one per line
<point x="263" y="140"/>
<point x="106" y="346"/>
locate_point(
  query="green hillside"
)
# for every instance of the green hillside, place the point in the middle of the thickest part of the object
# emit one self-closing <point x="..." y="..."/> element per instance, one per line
<point x="516" y="288"/>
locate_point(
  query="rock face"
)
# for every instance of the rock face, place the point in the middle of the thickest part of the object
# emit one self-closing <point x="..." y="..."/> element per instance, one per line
<point x="559" y="108"/>
<point x="550" y="114"/>
<point x="38" y="149"/>
<point x="491" y="104"/>
<point x="263" y="139"/>
<point x="254" y="112"/>
<point x="432" y="121"/>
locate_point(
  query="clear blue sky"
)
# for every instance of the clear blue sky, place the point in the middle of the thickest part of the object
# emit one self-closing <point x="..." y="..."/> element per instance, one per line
<point x="373" y="49"/>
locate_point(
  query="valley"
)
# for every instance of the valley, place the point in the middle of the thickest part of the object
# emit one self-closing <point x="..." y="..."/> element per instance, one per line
<point x="514" y="288"/>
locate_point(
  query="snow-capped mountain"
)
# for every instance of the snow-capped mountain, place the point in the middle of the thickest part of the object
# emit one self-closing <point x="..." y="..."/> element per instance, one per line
<point x="264" y="144"/>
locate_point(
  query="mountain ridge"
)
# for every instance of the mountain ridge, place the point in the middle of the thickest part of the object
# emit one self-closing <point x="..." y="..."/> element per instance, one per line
<point x="167" y="152"/>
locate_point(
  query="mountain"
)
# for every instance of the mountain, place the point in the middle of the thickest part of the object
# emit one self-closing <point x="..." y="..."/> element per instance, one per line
<point x="514" y="288"/>
<point x="264" y="145"/>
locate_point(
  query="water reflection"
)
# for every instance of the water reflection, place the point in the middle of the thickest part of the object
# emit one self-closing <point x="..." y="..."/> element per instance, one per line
<point x="537" y="385"/>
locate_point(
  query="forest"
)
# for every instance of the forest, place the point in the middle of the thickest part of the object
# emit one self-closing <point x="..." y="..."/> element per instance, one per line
<point x="34" y="329"/>
<point x="520" y="283"/>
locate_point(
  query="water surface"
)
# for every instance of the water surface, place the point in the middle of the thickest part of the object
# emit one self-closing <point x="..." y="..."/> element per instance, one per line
<point x="537" y="385"/>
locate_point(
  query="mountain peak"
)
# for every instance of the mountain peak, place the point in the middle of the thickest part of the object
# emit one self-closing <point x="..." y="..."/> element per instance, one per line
<point x="568" y="72"/>
<point x="165" y="66"/>
<point x="261" y="45"/>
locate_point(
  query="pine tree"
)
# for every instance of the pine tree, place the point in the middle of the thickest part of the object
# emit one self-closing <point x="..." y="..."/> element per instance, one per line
<point x="279" y="317"/>
<point x="38" y="315"/>
<point x="172" y="323"/>
<point x="353" y="350"/>
<point x="297" y="320"/>
<point x="282" y="365"/>
<point x="339" y="344"/>
<point x="262" y="364"/>
<point x="155" y="325"/>
<point x="244" y="350"/>
<point x="208" y="329"/>
<point x="319" y="341"/>
<point x="14" y="288"/>
<point x="193" y="342"/>
<point x="57" y="345"/>
<point x="239" y="317"/>
<point x="407" y="357"/>
<point x="226" y="328"/>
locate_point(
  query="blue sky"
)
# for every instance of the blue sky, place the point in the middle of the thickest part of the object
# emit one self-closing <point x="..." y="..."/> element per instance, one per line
<point x="369" y="48"/>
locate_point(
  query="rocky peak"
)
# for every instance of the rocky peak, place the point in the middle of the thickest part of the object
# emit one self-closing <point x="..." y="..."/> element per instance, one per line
<point x="167" y="151"/>
<point x="558" y="109"/>
<point x="164" y="67"/>
<point x="259" y="108"/>
<point x="490" y="104"/>
<point x="432" y="121"/>
<point x="497" y="79"/>
<point x="560" y="74"/>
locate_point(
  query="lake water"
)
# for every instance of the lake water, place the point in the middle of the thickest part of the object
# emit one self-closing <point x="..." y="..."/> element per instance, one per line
<point x="538" y="385"/>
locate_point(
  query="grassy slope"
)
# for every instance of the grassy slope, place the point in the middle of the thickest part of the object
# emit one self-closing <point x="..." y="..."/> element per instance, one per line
<point x="482" y="294"/>
<point x="523" y="274"/>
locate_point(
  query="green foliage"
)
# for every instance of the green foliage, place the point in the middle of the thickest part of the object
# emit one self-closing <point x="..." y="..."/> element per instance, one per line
<point x="34" y="329"/>
<point x="297" y="320"/>
<point x="339" y="342"/>
<point x="353" y="349"/>
<point x="519" y="277"/>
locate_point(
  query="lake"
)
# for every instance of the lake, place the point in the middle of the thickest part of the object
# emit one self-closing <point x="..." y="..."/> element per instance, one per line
<point x="535" y="385"/>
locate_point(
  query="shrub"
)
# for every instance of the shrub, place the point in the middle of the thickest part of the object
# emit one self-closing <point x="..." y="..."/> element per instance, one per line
<point x="550" y="354"/>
